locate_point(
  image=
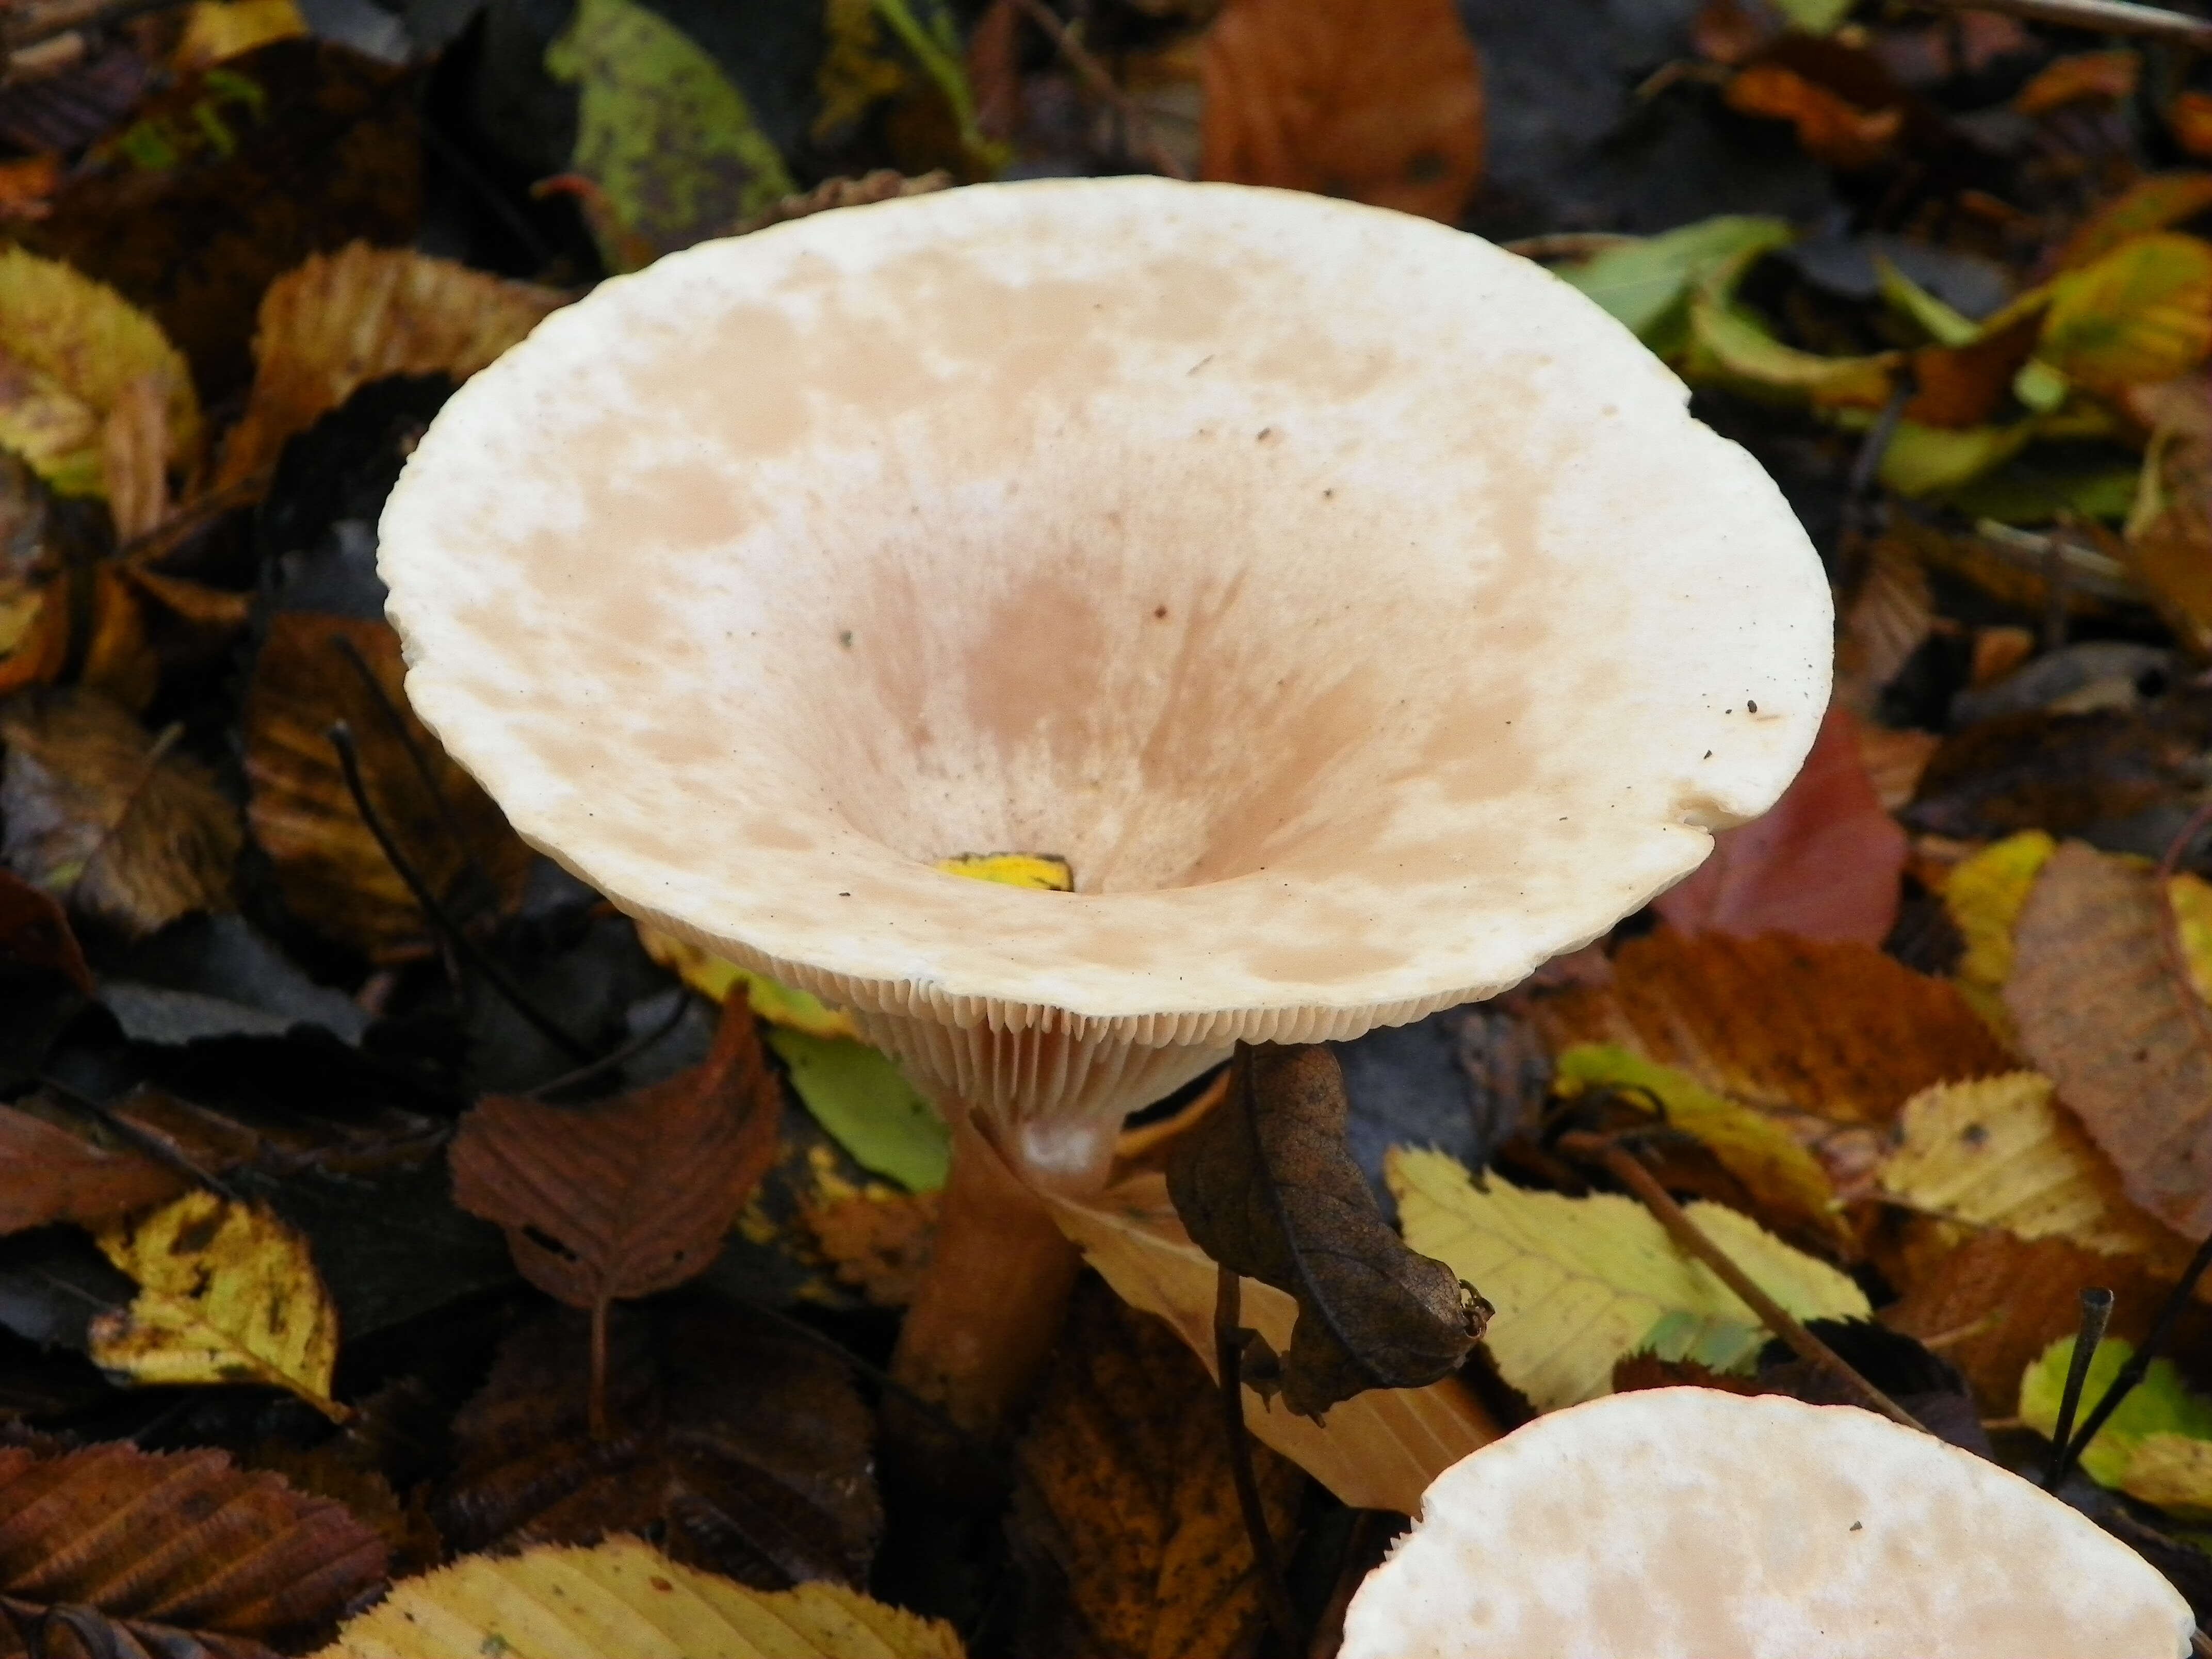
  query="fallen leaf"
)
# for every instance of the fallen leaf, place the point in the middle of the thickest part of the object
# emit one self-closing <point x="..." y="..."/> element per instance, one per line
<point x="1727" y="348"/>
<point x="1835" y="1030"/>
<point x="858" y="69"/>
<point x="313" y="671"/>
<point x="2003" y="1152"/>
<point x="1823" y="863"/>
<point x="115" y="824"/>
<point x="2060" y="771"/>
<point x="2169" y="536"/>
<point x="1376" y="1451"/>
<point x="1923" y="461"/>
<point x="1046" y="872"/>
<point x="2099" y="1012"/>
<point x="2152" y="203"/>
<point x="743" y="1448"/>
<point x="134" y="460"/>
<point x="667" y="138"/>
<point x="2106" y="76"/>
<point x="625" y="1597"/>
<point x="1830" y="127"/>
<point x="714" y="978"/>
<point x="1984" y="893"/>
<point x="1646" y="281"/>
<point x="1895" y="761"/>
<point x="343" y="320"/>
<point x="1267" y="1189"/>
<point x="876" y="1241"/>
<point x="217" y="30"/>
<point x="34" y="933"/>
<point x="2171" y="1472"/>
<point x="2141" y="311"/>
<point x="2188" y="118"/>
<point x="865" y="1104"/>
<point x="630" y="1196"/>
<point x="1967" y="384"/>
<point x="2161" y="1404"/>
<point x="1787" y="1181"/>
<point x="176" y="1539"/>
<point x="1380" y="101"/>
<point x="72" y="350"/>
<point x="1580" y="1282"/>
<point x="1887" y="618"/>
<point x="227" y="1293"/>
<point x="1124" y="1496"/>
<point x="49" y="1175"/>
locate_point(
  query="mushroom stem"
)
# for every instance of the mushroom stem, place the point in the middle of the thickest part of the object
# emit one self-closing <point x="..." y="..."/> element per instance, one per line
<point x="997" y="1282"/>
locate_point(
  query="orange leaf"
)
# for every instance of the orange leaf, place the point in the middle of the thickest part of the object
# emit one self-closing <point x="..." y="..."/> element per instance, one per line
<point x="2072" y="80"/>
<point x="1380" y="100"/>
<point x="1830" y="128"/>
<point x="1965" y="385"/>
<point x="2189" y="120"/>
<point x="2156" y="203"/>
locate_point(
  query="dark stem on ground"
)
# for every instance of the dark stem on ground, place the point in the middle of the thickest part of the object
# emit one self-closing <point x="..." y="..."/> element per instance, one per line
<point x="1692" y="1240"/>
<point x="2137" y="1366"/>
<point x="621" y="1057"/>
<point x="2096" y="1313"/>
<point x="340" y="737"/>
<point x="597" y="1400"/>
<point x="1228" y="1354"/>
<point x="154" y="1146"/>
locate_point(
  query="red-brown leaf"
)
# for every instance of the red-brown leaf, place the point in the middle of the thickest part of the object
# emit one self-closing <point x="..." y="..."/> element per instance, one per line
<point x="48" y="1174"/>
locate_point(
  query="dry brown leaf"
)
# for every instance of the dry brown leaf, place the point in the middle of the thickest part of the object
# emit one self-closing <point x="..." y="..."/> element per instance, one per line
<point x="1266" y="1187"/>
<point x="744" y="1448"/>
<point x="2188" y="118"/>
<point x="633" y="1195"/>
<point x="345" y="319"/>
<point x="2129" y="1044"/>
<point x="1888" y="619"/>
<point x="1966" y="384"/>
<point x="181" y="1537"/>
<point x="1830" y="128"/>
<point x="1835" y="1030"/>
<point x="1379" y="101"/>
<point x="2169" y="540"/>
<point x="1125" y="1497"/>
<point x="35" y="934"/>
<point x="2106" y="76"/>
<point x="1376" y="1451"/>
<point x="134" y="441"/>
<point x="109" y="821"/>
<point x="315" y="669"/>
<point x="1895" y="761"/>
<point x="47" y="1174"/>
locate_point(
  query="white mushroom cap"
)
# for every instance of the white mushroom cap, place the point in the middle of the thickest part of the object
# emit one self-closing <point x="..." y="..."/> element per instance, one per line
<point x="1352" y="604"/>
<point x="1688" y="1523"/>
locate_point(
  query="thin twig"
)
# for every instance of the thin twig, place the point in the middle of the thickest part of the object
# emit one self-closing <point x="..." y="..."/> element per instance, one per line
<point x="154" y="1146"/>
<point x="340" y="737"/>
<point x="1094" y="76"/>
<point x="2096" y="1313"/>
<point x="1692" y="1240"/>
<point x="1228" y="1354"/>
<point x="2138" y="1363"/>
<point x="596" y="1402"/>
<point x="621" y="1057"/>
<point x="2097" y="16"/>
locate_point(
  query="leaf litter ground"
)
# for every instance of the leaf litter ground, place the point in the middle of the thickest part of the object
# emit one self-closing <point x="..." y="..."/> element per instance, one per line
<point x="383" y="1219"/>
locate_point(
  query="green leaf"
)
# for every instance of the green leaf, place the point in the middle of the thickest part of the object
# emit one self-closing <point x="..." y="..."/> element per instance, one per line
<point x="1942" y="324"/>
<point x="670" y="143"/>
<point x="2143" y="312"/>
<point x="1578" y="1283"/>
<point x="1646" y="284"/>
<point x="1727" y="347"/>
<point x="2161" y="1404"/>
<point x="1928" y="460"/>
<point x="1815" y="16"/>
<point x="863" y="1103"/>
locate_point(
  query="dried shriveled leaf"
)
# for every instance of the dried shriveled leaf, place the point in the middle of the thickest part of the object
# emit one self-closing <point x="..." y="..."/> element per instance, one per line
<point x="1580" y="1282"/>
<point x="1824" y="863"/>
<point x="2128" y="1045"/>
<point x="71" y="351"/>
<point x="1834" y="1029"/>
<point x="111" y="822"/>
<point x="48" y="1174"/>
<point x="2003" y="1152"/>
<point x="1377" y="1450"/>
<point x="743" y="1448"/>
<point x="180" y="1538"/>
<point x="313" y="670"/>
<point x="1267" y="1187"/>
<point x="2169" y="542"/>
<point x="343" y="320"/>
<point x="632" y="1196"/>
<point x="2141" y="311"/>
<point x="669" y="143"/>
<point x="625" y="1597"/>
<point x="1829" y="126"/>
<point x="1125" y="1497"/>
<point x="2151" y="202"/>
<point x="2108" y="77"/>
<point x="2162" y="1404"/>
<point x="1381" y="102"/>
<point x="227" y="1293"/>
<point x="1887" y="620"/>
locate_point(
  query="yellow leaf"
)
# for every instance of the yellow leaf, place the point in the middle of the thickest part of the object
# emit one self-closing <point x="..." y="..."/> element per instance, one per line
<point x="218" y="29"/>
<point x="1984" y="893"/>
<point x="2192" y="908"/>
<point x="1755" y="1149"/>
<point x="70" y="349"/>
<point x="1926" y="460"/>
<point x="227" y="1293"/>
<point x="1580" y="1282"/>
<point x="713" y="976"/>
<point x="2143" y="312"/>
<point x="2173" y="1472"/>
<point x="1048" y="871"/>
<point x="623" y="1597"/>
<point x="2000" y="1152"/>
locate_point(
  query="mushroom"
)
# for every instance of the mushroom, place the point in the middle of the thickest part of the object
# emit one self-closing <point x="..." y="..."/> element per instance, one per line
<point x="1690" y="1523"/>
<point x="1353" y="605"/>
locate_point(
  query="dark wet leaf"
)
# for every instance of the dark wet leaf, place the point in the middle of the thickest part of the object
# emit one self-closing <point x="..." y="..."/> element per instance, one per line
<point x="49" y="1173"/>
<point x="1266" y="1187"/>
<point x="2066" y="773"/>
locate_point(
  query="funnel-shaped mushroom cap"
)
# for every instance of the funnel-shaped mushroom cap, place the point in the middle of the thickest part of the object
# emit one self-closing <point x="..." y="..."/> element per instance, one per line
<point x="1687" y="1524"/>
<point x="1354" y="606"/>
